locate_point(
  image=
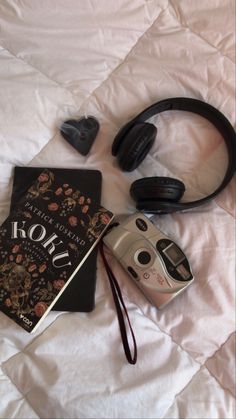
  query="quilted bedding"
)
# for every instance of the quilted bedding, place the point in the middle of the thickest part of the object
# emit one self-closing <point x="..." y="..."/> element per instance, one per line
<point x="112" y="59"/>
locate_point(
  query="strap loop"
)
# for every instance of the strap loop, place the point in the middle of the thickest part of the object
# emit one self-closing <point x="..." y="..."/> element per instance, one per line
<point x="119" y="303"/>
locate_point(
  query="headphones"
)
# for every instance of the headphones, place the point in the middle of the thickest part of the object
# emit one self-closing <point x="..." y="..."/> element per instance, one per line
<point x="160" y="195"/>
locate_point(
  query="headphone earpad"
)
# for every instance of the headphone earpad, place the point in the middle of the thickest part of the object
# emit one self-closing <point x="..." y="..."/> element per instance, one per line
<point x="152" y="189"/>
<point x="118" y="140"/>
<point x="136" y="144"/>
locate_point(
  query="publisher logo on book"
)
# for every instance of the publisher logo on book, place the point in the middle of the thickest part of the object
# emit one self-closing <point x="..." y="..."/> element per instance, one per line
<point x="25" y="320"/>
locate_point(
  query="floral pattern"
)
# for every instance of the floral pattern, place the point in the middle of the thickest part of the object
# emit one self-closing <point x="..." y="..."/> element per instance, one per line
<point x="28" y="282"/>
<point x="23" y="289"/>
<point x="71" y="204"/>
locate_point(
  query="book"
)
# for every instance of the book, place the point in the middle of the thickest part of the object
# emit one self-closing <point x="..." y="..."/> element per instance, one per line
<point x="43" y="243"/>
<point x="79" y="295"/>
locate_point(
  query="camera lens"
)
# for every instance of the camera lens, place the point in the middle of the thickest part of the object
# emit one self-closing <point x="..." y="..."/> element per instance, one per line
<point x="144" y="257"/>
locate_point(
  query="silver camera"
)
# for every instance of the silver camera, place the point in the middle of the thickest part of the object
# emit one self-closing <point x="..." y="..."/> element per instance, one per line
<point x="156" y="264"/>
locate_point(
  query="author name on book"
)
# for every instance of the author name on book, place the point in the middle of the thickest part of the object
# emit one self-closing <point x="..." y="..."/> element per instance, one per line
<point x="50" y="220"/>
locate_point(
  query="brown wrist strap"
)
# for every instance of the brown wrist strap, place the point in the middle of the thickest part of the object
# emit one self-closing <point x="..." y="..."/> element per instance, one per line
<point x="119" y="303"/>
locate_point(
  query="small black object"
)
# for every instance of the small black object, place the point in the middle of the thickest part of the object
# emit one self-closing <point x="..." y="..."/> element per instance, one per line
<point x="144" y="257"/>
<point x="140" y="142"/>
<point x="147" y="191"/>
<point x="80" y="133"/>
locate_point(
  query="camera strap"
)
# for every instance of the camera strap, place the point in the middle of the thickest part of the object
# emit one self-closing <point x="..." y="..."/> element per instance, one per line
<point x="119" y="303"/>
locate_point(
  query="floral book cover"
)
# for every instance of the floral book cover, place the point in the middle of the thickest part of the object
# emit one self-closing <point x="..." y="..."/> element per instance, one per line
<point x="43" y="243"/>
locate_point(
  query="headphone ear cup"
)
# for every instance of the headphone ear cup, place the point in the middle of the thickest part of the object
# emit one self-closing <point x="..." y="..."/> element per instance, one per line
<point x="136" y="145"/>
<point x="120" y="137"/>
<point x="153" y="189"/>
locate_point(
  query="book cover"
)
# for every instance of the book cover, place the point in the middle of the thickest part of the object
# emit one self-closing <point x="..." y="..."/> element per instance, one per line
<point x="43" y="244"/>
<point x="79" y="295"/>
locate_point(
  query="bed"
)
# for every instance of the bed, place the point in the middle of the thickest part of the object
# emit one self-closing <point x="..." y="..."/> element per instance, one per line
<point x="61" y="60"/>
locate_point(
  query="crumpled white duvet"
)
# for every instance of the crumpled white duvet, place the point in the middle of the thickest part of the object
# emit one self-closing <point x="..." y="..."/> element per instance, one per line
<point x="112" y="59"/>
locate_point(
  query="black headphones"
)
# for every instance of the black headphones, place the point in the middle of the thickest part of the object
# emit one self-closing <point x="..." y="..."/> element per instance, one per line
<point x="135" y="139"/>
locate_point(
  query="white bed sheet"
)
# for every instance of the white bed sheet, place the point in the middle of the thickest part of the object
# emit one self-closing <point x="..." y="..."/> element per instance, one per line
<point x="111" y="60"/>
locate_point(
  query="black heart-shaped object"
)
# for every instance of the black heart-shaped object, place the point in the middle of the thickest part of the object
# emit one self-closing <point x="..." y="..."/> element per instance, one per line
<point x="80" y="133"/>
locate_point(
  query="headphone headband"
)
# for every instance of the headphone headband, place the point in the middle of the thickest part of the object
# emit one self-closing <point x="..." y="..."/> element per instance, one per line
<point x="205" y="110"/>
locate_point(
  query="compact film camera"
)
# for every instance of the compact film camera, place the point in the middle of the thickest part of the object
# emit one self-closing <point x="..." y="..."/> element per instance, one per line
<point x="155" y="263"/>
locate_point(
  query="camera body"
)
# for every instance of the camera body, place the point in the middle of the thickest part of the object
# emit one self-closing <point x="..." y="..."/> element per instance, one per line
<point x="155" y="262"/>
